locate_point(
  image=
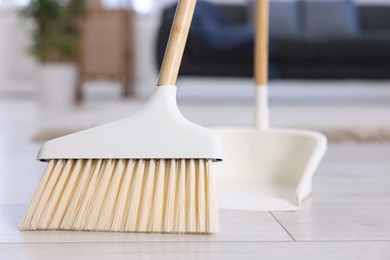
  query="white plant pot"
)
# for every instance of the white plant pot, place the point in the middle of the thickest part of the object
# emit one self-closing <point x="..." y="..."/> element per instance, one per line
<point x="57" y="85"/>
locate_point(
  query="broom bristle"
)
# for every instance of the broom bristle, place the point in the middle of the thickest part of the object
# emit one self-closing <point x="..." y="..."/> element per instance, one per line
<point x="124" y="195"/>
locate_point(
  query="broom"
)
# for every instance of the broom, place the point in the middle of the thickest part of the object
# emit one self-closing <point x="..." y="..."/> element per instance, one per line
<point x="151" y="172"/>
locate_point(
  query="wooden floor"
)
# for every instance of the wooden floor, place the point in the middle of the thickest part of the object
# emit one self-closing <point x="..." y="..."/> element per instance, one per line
<point x="346" y="217"/>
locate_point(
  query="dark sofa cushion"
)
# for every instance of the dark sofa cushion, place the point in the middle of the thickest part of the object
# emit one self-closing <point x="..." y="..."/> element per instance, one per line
<point x="334" y="71"/>
<point x="236" y="12"/>
<point x="374" y="17"/>
<point x="200" y="52"/>
<point x="295" y="50"/>
<point x="214" y="28"/>
<point x="284" y="18"/>
<point x="324" y="19"/>
<point x="369" y="47"/>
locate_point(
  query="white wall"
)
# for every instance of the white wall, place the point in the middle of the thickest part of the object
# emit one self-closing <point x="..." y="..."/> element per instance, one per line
<point x="17" y="68"/>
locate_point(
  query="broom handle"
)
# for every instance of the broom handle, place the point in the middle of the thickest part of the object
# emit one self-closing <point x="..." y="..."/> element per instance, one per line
<point x="176" y="43"/>
<point x="261" y="43"/>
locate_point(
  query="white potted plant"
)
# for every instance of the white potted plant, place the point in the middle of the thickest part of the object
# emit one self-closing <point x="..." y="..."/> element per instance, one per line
<point x="55" y="45"/>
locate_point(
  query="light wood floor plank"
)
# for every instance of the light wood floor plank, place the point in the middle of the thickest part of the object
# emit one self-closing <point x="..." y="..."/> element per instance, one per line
<point x="235" y="226"/>
<point x="350" y="200"/>
<point x="199" y="250"/>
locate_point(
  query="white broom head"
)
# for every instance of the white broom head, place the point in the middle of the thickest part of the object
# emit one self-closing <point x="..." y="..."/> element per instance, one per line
<point x="150" y="172"/>
<point x="158" y="131"/>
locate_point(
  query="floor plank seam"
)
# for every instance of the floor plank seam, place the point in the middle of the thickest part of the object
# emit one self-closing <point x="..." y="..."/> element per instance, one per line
<point x="143" y="242"/>
<point x="285" y="229"/>
<point x="343" y="241"/>
<point x="197" y="242"/>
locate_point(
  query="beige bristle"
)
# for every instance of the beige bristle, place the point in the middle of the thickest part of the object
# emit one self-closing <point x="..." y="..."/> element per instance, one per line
<point x="106" y="216"/>
<point x="66" y="195"/>
<point x="131" y="215"/>
<point x="191" y="197"/>
<point x="79" y="216"/>
<point x="169" y="207"/>
<point x="77" y="196"/>
<point x="52" y="200"/>
<point x="156" y="196"/>
<point x="36" y="202"/>
<point x="147" y="196"/>
<point x="98" y="197"/>
<point x="157" y="210"/>
<point x="201" y="197"/>
<point x="43" y="193"/>
<point x="180" y="209"/>
<point x="122" y="204"/>
<point x="211" y="220"/>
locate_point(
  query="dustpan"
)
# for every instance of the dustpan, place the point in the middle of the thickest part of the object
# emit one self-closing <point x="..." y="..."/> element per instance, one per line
<point x="266" y="168"/>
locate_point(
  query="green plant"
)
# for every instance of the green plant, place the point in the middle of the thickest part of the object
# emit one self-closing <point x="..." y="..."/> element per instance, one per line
<point x="56" y="32"/>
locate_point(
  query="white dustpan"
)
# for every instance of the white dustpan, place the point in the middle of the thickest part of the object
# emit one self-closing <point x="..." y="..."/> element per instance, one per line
<point x="266" y="168"/>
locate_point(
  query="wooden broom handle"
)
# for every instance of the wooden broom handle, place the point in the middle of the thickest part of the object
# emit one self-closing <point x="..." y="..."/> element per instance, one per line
<point x="261" y="42"/>
<point x="176" y="43"/>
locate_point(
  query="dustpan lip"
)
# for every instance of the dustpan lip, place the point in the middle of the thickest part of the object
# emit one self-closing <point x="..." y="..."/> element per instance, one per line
<point x="317" y="135"/>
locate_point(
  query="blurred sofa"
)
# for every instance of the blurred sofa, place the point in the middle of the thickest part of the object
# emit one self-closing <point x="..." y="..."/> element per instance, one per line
<point x="308" y="40"/>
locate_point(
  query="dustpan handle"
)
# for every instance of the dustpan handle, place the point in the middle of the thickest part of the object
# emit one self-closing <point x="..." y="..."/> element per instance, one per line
<point x="261" y="64"/>
<point x="261" y="43"/>
<point x="176" y="43"/>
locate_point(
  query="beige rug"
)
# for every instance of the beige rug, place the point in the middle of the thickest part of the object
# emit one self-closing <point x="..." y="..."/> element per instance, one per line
<point x="339" y="122"/>
<point x="334" y="135"/>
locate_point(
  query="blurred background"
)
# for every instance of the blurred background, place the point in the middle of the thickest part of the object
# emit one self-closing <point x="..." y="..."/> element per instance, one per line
<point x="66" y="65"/>
<point x="123" y="41"/>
